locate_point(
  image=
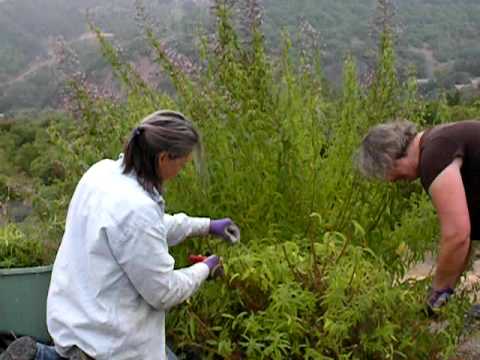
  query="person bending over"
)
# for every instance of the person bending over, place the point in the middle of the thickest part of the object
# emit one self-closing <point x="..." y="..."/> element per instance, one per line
<point x="446" y="158"/>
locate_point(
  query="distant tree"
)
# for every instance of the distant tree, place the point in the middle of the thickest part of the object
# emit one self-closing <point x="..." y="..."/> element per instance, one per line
<point x="384" y="20"/>
<point x="469" y="61"/>
<point x="449" y="80"/>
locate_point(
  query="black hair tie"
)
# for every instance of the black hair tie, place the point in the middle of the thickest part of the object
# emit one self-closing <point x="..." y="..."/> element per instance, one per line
<point x="138" y="130"/>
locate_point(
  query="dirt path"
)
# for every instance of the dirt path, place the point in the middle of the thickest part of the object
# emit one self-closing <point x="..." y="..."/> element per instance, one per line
<point x="431" y="63"/>
<point x="33" y="68"/>
<point x="89" y="36"/>
<point x="469" y="342"/>
<point x="41" y="63"/>
<point x="469" y="281"/>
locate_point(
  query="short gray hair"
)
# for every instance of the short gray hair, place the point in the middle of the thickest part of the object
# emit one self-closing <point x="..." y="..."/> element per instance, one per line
<point x="382" y="145"/>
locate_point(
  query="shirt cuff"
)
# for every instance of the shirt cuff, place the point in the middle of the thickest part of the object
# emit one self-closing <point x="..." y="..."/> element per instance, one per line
<point x="200" y="226"/>
<point x="201" y="270"/>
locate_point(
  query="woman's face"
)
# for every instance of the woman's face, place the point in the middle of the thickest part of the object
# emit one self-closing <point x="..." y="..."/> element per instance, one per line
<point x="403" y="169"/>
<point x="170" y="167"/>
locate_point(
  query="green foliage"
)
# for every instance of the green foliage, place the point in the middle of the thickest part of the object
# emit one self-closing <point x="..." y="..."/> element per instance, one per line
<point x="405" y="244"/>
<point x="16" y="250"/>
<point x="342" y="306"/>
<point x="23" y="142"/>
<point x="317" y="273"/>
<point x="4" y="188"/>
<point x="30" y="165"/>
<point x="7" y="190"/>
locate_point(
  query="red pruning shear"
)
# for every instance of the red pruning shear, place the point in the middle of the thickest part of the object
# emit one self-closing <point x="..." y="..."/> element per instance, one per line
<point x="193" y="259"/>
<point x="216" y="272"/>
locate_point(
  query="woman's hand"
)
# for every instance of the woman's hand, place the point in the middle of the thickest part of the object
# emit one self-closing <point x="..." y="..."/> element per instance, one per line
<point x="226" y="229"/>
<point x="437" y="298"/>
<point x="215" y="266"/>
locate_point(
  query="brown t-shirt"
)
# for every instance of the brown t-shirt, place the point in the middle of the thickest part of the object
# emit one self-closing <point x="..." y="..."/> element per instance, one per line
<point x="439" y="146"/>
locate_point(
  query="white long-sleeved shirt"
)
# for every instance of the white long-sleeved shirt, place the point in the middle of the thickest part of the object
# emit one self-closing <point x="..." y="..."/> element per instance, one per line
<point x="113" y="277"/>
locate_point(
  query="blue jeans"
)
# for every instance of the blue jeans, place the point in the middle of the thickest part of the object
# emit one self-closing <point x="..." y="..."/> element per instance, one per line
<point x="170" y="354"/>
<point x="45" y="352"/>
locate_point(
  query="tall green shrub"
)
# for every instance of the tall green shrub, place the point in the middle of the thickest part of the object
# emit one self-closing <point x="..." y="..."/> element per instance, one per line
<point x="316" y="275"/>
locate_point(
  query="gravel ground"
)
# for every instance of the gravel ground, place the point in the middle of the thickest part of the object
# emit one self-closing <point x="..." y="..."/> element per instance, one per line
<point x="469" y="348"/>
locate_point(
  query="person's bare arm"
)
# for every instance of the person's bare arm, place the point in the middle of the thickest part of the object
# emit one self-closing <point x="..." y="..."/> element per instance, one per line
<point x="448" y="196"/>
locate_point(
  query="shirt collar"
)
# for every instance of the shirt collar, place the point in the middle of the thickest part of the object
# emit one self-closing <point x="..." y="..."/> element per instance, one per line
<point x="156" y="195"/>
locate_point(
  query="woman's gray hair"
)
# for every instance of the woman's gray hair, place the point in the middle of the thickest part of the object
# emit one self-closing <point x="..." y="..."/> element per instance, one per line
<point x="384" y="144"/>
<point x="163" y="131"/>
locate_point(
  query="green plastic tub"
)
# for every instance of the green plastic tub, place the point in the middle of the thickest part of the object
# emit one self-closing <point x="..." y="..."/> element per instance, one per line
<point x="23" y="301"/>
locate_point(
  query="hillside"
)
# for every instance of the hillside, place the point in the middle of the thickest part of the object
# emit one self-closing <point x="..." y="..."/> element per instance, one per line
<point x="438" y="37"/>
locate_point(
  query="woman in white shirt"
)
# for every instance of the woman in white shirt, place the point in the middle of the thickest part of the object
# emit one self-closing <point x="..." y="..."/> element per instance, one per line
<point x="113" y="278"/>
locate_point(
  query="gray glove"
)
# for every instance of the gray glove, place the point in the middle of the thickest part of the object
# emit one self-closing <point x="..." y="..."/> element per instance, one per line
<point x="225" y="229"/>
<point x="215" y="265"/>
<point x="438" y="298"/>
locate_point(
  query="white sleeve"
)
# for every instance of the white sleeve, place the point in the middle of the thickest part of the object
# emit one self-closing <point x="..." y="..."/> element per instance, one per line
<point x="180" y="226"/>
<point x="141" y="249"/>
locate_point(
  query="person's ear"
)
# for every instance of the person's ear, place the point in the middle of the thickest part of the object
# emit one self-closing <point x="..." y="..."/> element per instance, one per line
<point x="163" y="157"/>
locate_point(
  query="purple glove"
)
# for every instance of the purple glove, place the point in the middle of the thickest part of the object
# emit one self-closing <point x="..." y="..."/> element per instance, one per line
<point x="438" y="298"/>
<point x="226" y="229"/>
<point x="214" y="265"/>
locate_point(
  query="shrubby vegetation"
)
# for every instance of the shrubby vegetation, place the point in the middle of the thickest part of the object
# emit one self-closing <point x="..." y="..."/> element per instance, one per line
<point x="27" y="164"/>
<point x="317" y="275"/>
<point x="18" y="250"/>
<point x="438" y="37"/>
